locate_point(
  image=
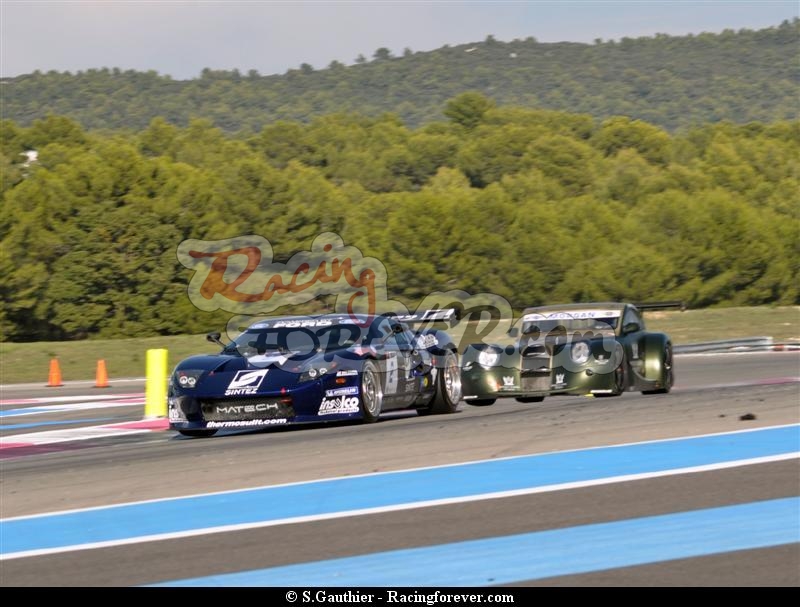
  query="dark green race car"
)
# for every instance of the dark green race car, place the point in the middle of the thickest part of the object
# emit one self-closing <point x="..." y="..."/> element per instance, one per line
<point x="601" y="349"/>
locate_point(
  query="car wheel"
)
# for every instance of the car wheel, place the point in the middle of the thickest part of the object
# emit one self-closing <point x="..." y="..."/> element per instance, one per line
<point x="668" y="373"/>
<point x="448" y="386"/>
<point x="481" y="402"/>
<point x="530" y="399"/>
<point x="371" y="393"/>
<point x="199" y="433"/>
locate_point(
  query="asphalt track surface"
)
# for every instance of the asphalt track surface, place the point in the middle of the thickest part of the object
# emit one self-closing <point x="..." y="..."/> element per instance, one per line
<point x="712" y="394"/>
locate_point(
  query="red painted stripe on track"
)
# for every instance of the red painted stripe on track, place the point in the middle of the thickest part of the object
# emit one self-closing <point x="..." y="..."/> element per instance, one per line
<point x="145" y="424"/>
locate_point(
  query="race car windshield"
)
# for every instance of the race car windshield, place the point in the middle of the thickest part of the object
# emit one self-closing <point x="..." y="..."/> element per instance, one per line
<point x="569" y="325"/>
<point x="295" y="340"/>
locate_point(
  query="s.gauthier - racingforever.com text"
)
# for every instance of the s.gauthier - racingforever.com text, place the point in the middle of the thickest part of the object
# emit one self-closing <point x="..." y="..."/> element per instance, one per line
<point x="396" y="596"/>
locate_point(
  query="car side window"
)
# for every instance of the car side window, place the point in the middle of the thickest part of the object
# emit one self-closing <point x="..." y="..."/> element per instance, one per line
<point x="378" y="331"/>
<point x="632" y="315"/>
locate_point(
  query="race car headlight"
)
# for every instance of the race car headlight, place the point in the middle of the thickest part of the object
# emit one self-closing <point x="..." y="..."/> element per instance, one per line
<point x="579" y="352"/>
<point x="488" y="358"/>
<point x="312" y="374"/>
<point x="187" y="379"/>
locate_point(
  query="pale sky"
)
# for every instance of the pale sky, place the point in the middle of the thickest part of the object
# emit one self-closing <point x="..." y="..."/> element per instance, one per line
<point x="180" y="38"/>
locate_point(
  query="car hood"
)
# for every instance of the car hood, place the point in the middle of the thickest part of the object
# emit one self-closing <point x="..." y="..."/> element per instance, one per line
<point x="555" y="343"/>
<point x="222" y="375"/>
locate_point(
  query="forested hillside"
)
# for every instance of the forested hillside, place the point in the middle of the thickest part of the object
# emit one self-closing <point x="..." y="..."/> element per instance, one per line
<point x="669" y="81"/>
<point x="537" y="206"/>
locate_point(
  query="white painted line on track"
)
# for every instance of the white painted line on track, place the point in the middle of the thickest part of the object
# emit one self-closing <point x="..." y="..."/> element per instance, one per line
<point x="50" y="437"/>
<point x="394" y="507"/>
<point x="400" y="471"/>
<point x="67" y="384"/>
<point x="13" y="413"/>
<point x="69" y="399"/>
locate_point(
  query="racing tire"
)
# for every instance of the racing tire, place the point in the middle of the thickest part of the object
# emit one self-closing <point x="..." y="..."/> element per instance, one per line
<point x="198" y="433"/>
<point x="529" y="399"/>
<point x="448" y="387"/>
<point x="371" y="393"/>
<point x="481" y="402"/>
<point x="620" y="380"/>
<point x="668" y="375"/>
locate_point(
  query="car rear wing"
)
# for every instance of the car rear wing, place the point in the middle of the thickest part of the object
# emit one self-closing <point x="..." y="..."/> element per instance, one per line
<point x="661" y="305"/>
<point x="447" y="315"/>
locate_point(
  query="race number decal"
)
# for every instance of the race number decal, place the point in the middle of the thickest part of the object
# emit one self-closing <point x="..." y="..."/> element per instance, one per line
<point x="391" y="374"/>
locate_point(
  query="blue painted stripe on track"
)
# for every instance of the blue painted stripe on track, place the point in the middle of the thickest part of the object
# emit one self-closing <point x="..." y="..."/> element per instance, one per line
<point x="28" y="411"/>
<point x="542" y="554"/>
<point x="252" y="506"/>
<point x="52" y="423"/>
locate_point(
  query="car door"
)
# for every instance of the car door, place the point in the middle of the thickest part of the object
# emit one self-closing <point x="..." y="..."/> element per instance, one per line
<point x="393" y="350"/>
<point x="633" y="335"/>
<point x="403" y="342"/>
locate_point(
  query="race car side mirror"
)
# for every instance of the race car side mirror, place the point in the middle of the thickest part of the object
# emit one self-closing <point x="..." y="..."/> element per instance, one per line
<point x="214" y="338"/>
<point x="513" y="332"/>
<point x="395" y="330"/>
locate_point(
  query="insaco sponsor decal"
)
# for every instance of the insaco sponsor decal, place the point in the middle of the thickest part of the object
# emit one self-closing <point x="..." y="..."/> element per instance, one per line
<point x="346" y="373"/>
<point x="350" y="390"/>
<point x="242" y="424"/>
<point x="255" y="408"/>
<point x="330" y="406"/>
<point x="246" y="382"/>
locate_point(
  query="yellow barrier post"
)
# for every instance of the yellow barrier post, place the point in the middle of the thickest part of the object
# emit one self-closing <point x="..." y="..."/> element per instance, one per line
<point x="155" y="391"/>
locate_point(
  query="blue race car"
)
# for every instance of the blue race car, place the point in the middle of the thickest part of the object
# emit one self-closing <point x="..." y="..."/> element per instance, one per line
<point x="296" y="369"/>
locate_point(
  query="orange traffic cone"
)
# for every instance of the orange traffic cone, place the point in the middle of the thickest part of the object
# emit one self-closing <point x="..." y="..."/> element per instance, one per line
<point x="101" y="380"/>
<point x="54" y="377"/>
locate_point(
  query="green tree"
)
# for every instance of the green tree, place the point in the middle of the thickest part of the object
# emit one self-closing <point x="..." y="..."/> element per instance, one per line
<point x="621" y="133"/>
<point x="468" y="109"/>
